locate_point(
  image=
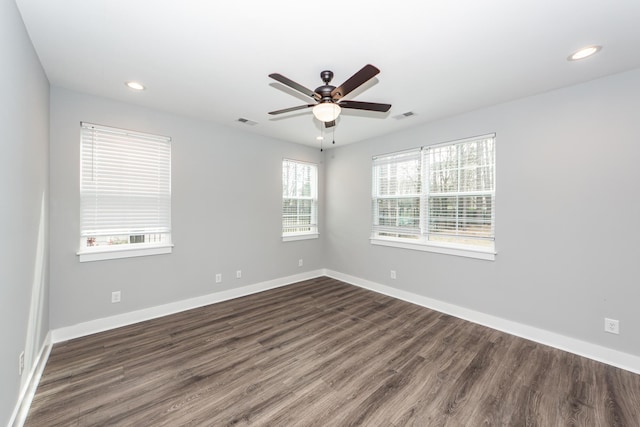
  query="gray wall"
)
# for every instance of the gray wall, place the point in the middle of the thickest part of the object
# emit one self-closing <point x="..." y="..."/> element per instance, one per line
<point x="567" y="214"/>
<point x="226" y="194"/>
<point x="24" y="121"/>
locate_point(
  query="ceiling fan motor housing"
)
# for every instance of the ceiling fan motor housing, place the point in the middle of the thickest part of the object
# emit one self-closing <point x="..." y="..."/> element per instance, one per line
<point x="325" y="90"/>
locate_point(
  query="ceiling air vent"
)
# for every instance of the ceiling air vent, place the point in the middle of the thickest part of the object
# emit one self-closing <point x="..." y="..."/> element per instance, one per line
<point x="404" y="115"/>
<point x="247" y="121"/>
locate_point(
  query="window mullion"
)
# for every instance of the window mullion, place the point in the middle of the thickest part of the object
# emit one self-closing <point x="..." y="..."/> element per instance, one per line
<point x="459" y="153"/>
<point x="426" y="190"/>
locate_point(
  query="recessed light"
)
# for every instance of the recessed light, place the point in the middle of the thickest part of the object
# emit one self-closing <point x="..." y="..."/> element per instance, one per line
<point x="134" y="85"/>
<point x="583" y="53"/>
<point x="319" y="138"/>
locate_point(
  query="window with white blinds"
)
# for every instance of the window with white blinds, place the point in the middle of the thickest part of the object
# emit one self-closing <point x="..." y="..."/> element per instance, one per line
<point x="299" y="200"/>
<point x="397" y="192"/>
<point x="125" y="189"/>
<point x="437" y="196"/>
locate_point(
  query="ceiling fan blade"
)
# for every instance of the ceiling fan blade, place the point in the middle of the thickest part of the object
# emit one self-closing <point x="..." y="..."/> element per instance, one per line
<point x="286" y="81"/>
<point x="365" y="74"/>
<point x="286" y="110"/>
<point x="370" y="106"/>
<point x="330" y="124"/>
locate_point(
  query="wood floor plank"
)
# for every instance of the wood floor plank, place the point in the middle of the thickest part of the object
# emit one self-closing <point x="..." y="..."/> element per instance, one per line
<point x="321" y="352"/>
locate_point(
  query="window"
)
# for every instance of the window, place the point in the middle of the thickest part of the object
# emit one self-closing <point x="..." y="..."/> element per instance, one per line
<point x="437" y="198"/>
<point x="299" y="200"/>
<point x="125" y="193"/>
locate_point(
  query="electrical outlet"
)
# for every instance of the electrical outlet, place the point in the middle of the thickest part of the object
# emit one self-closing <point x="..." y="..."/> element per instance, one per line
<point x="115" y="296"/>
<point x="21" y="363"/>
<point x="393" y="274"/>
<point x="219" y="278"/>
<point x="612" y="326"/>
<point x="238" y="274"/>
<point x="300" y="262"/>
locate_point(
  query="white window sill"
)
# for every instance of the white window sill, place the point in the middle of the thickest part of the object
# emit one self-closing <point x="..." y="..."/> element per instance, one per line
<point x="125" y="252"/>
<point x="294" y="237"/>
<point x="448" y="249"/>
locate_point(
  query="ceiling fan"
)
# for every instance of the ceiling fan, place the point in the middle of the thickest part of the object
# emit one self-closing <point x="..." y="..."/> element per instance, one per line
<point x="328" y="98"/>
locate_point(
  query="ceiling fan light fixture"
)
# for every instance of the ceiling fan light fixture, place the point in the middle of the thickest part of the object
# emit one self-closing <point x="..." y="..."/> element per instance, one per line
<point x="326" y="111"/>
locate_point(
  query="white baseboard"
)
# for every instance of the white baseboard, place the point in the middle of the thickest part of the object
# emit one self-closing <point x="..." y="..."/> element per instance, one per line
<point x="592" y="351"/>
<point x="19" y="415"/>
<point x="112" y="322"/>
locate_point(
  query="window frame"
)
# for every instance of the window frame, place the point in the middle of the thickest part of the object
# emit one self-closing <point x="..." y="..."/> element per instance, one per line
<point x="418" y="238"/>
<point x="90" y="189"/>
<point x="313" y="233"/>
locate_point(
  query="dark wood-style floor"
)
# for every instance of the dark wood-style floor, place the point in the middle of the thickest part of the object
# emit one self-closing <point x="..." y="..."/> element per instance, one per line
<point x="324" y="353"/>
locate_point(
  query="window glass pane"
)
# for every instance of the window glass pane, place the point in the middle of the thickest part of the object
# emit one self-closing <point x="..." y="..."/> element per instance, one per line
<point x="442" y="214"/>
<point x="443" y="169"/>
<point x="476" y="211"/>
<point x="399" y="212"/>
<point x="478" y="179"/>
<point x="443" y="180"/>
<point x="299" y="197"/>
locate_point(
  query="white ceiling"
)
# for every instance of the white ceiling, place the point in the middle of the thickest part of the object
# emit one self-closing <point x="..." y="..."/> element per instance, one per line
<point x="211" y="59"/>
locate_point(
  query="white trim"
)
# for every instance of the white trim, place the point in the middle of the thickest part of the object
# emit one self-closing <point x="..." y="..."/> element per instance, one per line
<point x="407" y="152"/>
<point x="124" y="319"/>
<point x="28" y="391"/>
<point x="126" y="132"/>
<point x="127" y="251"/>
<point x="592" y="351"/>
<point x="460" y="141"/>
<point x="304" y="162"/>
<point x="294" y="237"/>
<point x="458" y="250"/>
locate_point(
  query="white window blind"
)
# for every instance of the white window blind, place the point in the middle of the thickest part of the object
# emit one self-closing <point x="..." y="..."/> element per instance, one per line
<point x="397" y="189"/>
<point x="442" y="194"/>
<point x="460" y="196"/>
<point x="125" y="188"/>
<point x="299" y="198"/>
